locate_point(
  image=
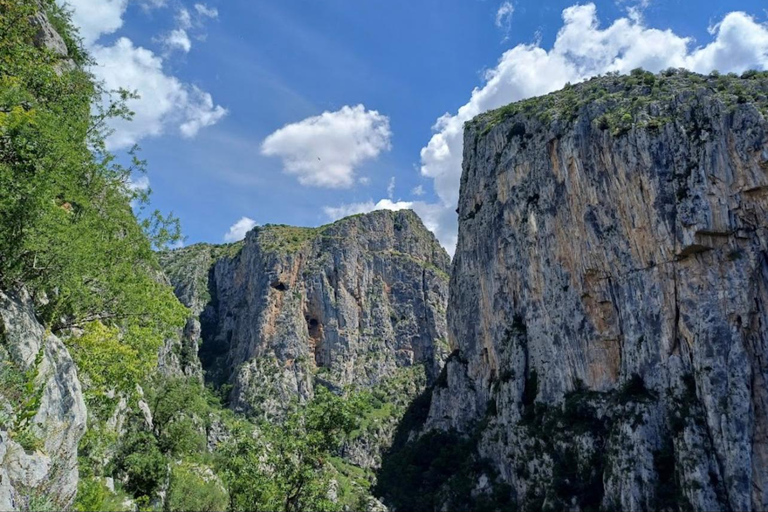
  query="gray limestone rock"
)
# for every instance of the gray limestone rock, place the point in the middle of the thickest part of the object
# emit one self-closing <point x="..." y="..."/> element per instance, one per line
<point x="344" y="305"/>
<point x="609" y="295"/>
<point x="40" y="431"/>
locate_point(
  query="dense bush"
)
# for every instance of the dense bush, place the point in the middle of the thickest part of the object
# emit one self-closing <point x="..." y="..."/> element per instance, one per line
<point x="142" y="463"/>
<point x="287" y="467"/>
<point x="195" y="488"/>
<point x="93" y="494"/>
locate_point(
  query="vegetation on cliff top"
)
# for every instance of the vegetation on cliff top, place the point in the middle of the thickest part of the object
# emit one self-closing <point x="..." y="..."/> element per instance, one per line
<point x="624" y="100"/>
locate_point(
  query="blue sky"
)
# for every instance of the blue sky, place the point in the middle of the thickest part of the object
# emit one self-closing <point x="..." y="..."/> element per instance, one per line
<point x="218" y="78"/>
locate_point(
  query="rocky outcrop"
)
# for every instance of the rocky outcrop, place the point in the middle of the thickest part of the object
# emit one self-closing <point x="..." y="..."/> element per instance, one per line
<point x="47" y="37"/>
<point x="188" y="271"/>
<point x="42" y="412"/>
<point x="609" y="295"/>
<point x="344" y="305"/>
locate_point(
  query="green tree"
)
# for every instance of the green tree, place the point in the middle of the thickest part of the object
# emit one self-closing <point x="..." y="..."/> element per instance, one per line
<point x="142" y="464"/>
<point x="181" y="408"/>
<point x="286" y="466"/>
<point x="67" y="227"/>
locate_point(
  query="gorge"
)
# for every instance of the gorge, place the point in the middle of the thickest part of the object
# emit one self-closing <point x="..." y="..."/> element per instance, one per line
<point x="597" y="342"/>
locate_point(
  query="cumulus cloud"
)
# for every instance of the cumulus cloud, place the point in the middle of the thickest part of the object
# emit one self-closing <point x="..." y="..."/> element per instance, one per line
<point x="165" y="104"/>
<point x="165" y="101"/>
<point x="324" y="150"/>
<point x="583" y="49"/>
<point x="95" y="18"/>
<point x="239" y="229"/>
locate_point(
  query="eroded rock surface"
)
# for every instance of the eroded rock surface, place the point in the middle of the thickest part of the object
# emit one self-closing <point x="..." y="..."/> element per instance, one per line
<point x="345" y="305"/>
<point x="42" y="412"/>
<point x="609" y="296"/>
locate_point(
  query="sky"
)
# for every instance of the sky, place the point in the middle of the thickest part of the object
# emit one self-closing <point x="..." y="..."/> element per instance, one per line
<point x="303" y="111"/>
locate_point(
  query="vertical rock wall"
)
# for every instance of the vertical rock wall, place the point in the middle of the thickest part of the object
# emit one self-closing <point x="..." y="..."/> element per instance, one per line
<point x="609" y="292"/>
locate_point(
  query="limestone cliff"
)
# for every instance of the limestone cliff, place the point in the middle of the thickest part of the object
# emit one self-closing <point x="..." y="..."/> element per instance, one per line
<point x="42" y="412"/>
<point x="348" y="304"/>
<point x="609" y="296"/>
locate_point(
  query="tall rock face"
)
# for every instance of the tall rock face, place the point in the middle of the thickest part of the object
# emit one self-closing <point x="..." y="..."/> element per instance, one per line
<point x="348" y="304"/>
<point x="42" y="412"/>
<point x="609" y="295"/>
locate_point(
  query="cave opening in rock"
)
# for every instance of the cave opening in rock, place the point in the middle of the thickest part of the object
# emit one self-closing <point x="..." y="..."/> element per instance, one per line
<point x="279" y="286"/>
<point x="315" y="329"/>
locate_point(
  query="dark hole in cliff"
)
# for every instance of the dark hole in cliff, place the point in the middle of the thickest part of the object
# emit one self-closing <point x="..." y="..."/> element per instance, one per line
<point x="279" y="286"/>
<point x="315" y="329"/>
<point x="517" y="130"/>
<point x="634" y="390"/>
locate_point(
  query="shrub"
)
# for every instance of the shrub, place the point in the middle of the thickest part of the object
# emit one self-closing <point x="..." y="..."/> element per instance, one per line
<point x="194" y="488"/>
<point x="141" y="462"/>
<point x="93" y="495"/>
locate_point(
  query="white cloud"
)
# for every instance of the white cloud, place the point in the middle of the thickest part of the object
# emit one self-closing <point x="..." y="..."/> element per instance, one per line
<point x="504" y="15"/>
<point x="324" y="150"/>
<point x="418" y="190"/>
<point x="184" y="19"/>
<point x="204" y="10"/>
<point x="581" y="50"/>
<point x="148" y="5"/>
<point x="200" y="112"/>
<point x="165" y="101"/>
<point x="391" y="187"/>
<point x="239" y="229"/>
<point x="177" y="40"/>
<point x="95" y="18"/>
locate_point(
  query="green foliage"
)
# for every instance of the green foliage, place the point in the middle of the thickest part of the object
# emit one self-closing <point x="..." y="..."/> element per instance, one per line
<point x="93" y="494"/>
<point x="180" y="411"/>
<point x="286" y="239"/>
<point x="23" y="392"/>
<point x="195" y="488"/>
<point x="111" y="362"/>
<point x="285" y="467"/>
<point x="143" y="464"/>
<point x="67" y="227"/>
<point x="353" y="484"/>
<point x="619" y="103"/>
<point x="436" y="469"/>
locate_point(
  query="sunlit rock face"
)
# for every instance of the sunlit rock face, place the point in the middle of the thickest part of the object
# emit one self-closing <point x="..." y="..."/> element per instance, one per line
<point x="609" y="292"/>
<point x="348" y="304"/>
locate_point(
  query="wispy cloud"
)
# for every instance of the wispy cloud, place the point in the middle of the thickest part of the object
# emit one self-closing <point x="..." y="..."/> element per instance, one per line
<point x="504" y="16"/>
